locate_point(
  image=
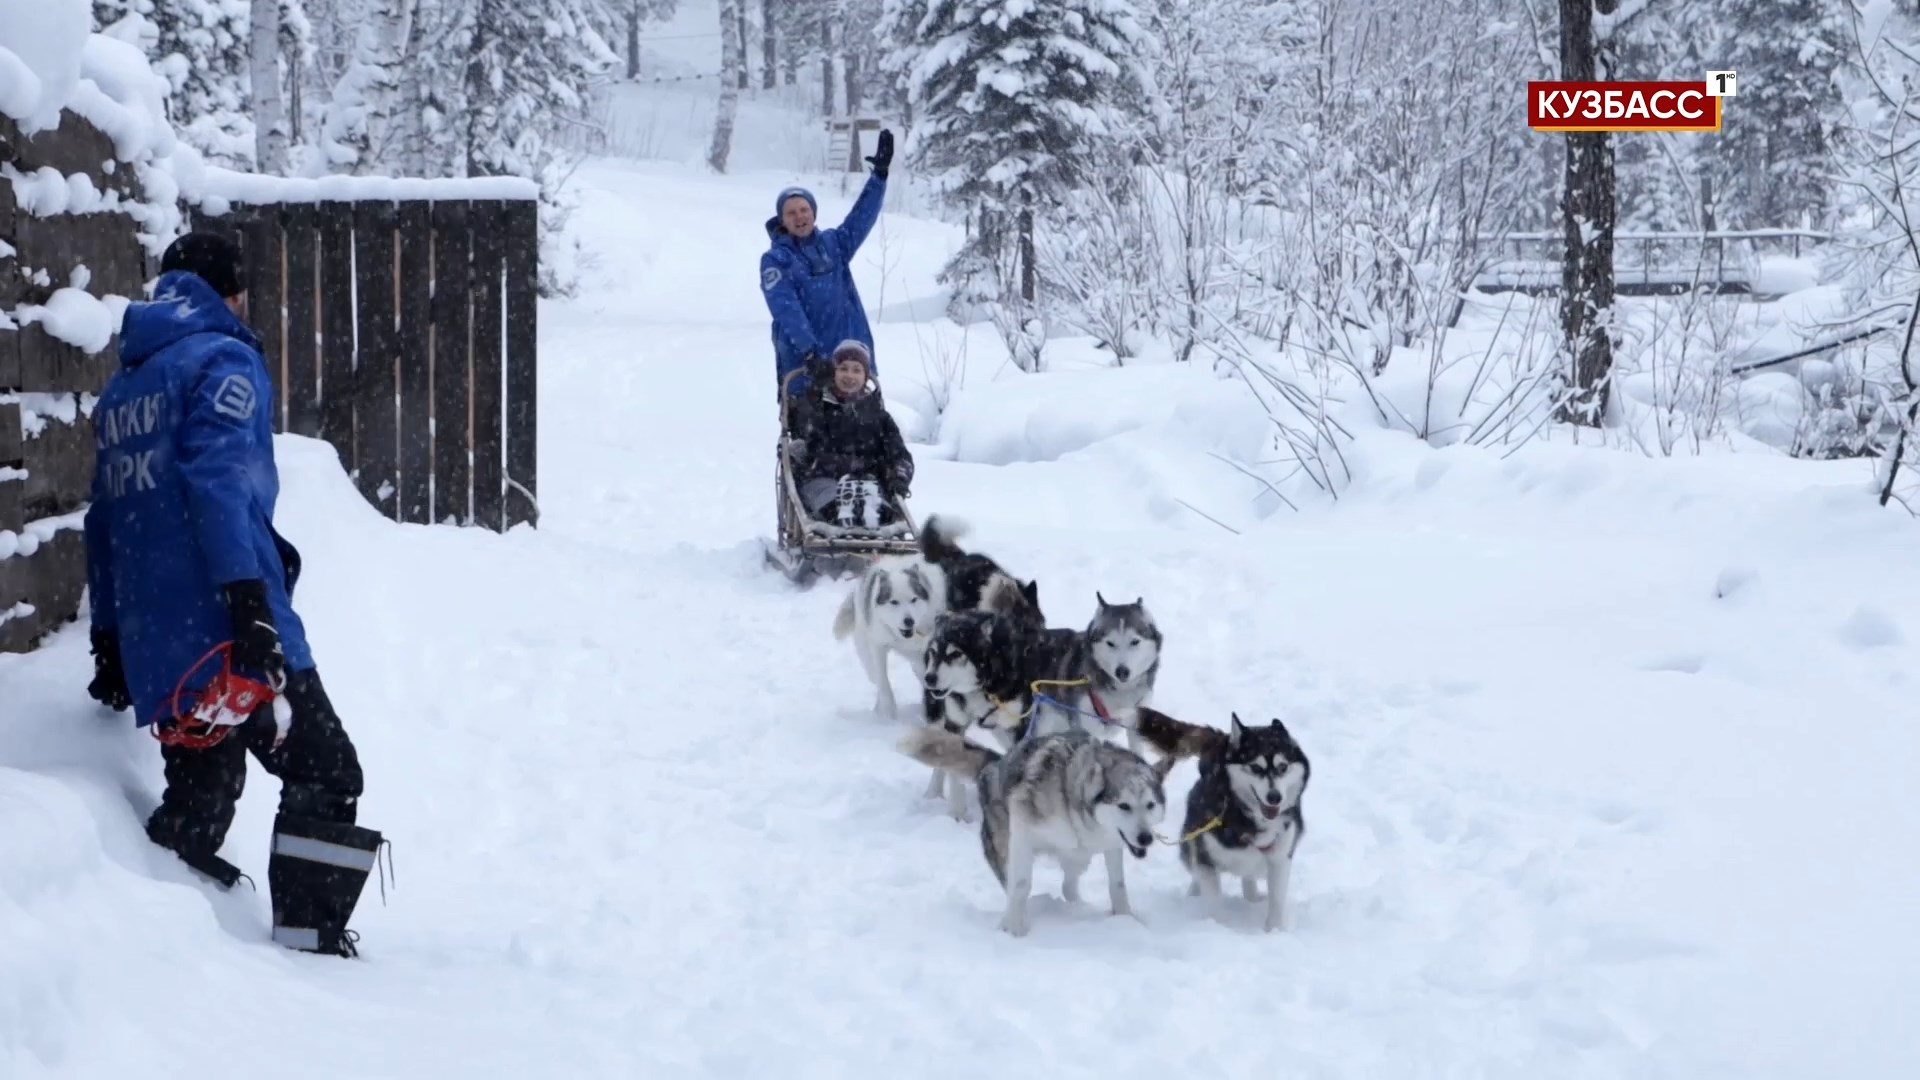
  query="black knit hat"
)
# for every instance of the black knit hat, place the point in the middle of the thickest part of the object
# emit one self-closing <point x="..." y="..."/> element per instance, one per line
<point x="211" y="257"/>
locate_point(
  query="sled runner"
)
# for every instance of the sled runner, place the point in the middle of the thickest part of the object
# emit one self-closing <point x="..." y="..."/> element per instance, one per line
<point x="806" y="547"/>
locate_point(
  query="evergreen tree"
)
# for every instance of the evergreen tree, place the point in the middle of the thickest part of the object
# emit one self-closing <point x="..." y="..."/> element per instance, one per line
<point x="1013" y="100"/>
<point x="1773" y="154"/>
<point x="201" y="48"/>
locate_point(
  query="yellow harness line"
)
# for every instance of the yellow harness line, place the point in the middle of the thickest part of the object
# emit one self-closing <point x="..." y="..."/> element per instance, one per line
<point x="1035" y="686"/>
<point x="1218" y="820"/>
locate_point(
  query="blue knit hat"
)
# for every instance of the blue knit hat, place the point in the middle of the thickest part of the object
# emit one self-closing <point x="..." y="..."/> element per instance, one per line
<point x="780" y="203"/>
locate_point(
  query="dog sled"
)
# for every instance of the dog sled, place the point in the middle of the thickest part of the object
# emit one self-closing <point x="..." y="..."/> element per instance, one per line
<point x="807" y="548"/>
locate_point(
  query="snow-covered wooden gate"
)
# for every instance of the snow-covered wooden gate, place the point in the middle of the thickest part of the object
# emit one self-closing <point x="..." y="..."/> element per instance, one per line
<point x="399" y="321"/>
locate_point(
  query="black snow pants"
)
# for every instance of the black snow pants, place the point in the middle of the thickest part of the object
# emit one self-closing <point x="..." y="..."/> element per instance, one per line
<point x="320" y="858"/>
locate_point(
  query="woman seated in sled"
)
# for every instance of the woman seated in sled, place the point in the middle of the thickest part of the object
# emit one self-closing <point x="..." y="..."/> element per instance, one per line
<point x="849" y="460"/>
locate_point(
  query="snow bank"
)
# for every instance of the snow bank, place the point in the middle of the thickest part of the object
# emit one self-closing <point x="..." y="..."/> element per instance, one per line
<point x="1049" y="415"/>
<point x="41" y="42"/>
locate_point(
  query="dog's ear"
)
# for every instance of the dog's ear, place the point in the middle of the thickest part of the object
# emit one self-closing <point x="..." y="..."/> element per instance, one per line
<point x="1164" y="766"/>
<point x="1031" y="590"/>
<point x="1139" y="601"/>
<point x="1239" y="730"/>
<point x="1101" y="600"/>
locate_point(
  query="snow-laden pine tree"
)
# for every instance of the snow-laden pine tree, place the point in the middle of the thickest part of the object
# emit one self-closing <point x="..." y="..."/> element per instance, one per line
<point x="1016" y="103"/>
<point x="201" y="47"/>
<point x="366" y="129"/>
<point x="1774" y="150"/>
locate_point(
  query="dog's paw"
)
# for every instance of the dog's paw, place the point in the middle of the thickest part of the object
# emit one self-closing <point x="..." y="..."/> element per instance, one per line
<point x="1015" y="924"/>
<point x="960" y="812"/>
<point x="1276" y="920"/>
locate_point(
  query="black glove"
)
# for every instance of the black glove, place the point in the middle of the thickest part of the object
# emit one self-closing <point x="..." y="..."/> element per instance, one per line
<point x="897" y="485"/>
<point x="882" y="158"/>
<point x="109" y="685"/>
<point x="819" y="370"/>
<point x="256" y="641"/>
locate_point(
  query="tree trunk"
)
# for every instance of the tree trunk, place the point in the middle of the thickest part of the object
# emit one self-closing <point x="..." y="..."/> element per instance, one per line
<point x="826" y="67"/>
<point x="731" y="56"/>
<point x="1587" y="217"/>
<point x="1029" y="270"/>
<point x="850" y="69"/>
<point x="633" y="39"/>
<point x="745" y="77"/>
<point x="769" y="44"/>
<point x="269" y="112"/>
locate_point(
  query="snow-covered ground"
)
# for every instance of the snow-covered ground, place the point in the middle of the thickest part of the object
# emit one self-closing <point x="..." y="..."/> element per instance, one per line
<point x="1611" y="752"/>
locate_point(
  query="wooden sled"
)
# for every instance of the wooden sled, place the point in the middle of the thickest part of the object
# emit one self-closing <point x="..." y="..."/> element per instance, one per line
<point x="807" y="549"/>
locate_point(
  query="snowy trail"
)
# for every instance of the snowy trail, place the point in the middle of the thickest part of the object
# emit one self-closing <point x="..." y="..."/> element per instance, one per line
<point x="644" y="824"/>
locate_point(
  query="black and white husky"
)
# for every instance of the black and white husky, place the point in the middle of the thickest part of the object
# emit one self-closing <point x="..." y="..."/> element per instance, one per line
<point x="1096" y="678"/>
<point x="975" y="582"/>
<point x="1068" y="796"/>
<point x="975" y="678"/>
<point x="891" y="611"/>
<point x="1243" y="813"/>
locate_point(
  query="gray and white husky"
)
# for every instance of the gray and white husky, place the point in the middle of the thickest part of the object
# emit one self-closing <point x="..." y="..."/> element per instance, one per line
<point x="891" y="611"/>
<point x="1243" y="813"/>
<point x="1068" y="796"/>
<point x="1099" y="676"/>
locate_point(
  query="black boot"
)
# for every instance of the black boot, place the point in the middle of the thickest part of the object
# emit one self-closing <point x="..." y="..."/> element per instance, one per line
<point x="315" y="877"/>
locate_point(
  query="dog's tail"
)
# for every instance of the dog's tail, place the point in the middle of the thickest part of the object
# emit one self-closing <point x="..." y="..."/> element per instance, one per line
<point x="937" y="536"/>
<point x="1175" y="738"/>
<point x="843" y="619"/>
<point x="939" y="748"/>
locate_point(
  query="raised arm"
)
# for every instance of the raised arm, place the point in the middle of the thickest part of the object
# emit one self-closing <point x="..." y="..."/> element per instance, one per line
<point x="864" y="215"/>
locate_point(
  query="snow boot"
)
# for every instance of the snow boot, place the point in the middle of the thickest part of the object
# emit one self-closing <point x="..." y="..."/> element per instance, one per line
<point x="858" y="503"/>
<point x="315" y="876"/>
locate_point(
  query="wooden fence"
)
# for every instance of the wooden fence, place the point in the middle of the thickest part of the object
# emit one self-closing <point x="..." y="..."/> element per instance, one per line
<point x="400" y="331"/>
<point x="403" y="333"/>
<point x="46" y="434"/>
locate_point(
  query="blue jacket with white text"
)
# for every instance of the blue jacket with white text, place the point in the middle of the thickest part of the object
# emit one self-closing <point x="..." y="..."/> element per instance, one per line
<point x="183" y="493"/>
<point x="808" y="284"/>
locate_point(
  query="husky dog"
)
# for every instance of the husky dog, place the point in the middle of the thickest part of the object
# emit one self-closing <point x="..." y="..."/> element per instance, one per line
<point x="891" y="609"/>
<point x="973" y="678"/>
<point x="1100" y="675"/>
<point x="1069" y="796"/>
<point x="974" y="581"/>
<point x="1243" y="814"/>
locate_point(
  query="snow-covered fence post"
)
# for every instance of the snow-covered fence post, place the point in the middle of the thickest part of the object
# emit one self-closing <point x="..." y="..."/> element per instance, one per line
<point x="399" y="322"/>
<point x="69" y="242"/>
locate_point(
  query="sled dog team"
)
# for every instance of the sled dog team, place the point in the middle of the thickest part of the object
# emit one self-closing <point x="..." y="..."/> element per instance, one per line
<point x="1054" y="785"/>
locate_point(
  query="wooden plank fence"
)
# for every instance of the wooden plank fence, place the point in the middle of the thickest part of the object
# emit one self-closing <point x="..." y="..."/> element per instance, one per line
<point x="403" y="333"/>
<point x="46" y="432"/>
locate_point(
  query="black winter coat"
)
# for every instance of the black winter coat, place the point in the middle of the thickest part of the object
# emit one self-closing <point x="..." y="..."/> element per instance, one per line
<point x="849" y="438"/>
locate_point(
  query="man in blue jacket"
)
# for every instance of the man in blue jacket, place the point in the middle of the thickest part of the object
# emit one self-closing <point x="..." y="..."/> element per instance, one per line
<point x="183" y="559"/>
<point x="806" y="277"/>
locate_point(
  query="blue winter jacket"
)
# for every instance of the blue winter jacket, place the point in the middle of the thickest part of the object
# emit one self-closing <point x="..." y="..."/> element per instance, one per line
<point x="183" y="492"/>
<point x="808" y="284"/>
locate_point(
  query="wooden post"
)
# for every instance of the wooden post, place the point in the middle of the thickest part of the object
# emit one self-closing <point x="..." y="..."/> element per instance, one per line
<point x="376" y="439"/>
<point x="452" y="365"/>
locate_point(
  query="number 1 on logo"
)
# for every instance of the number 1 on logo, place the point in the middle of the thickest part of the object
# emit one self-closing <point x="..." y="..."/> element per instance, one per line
<point x="1721" y="84"/>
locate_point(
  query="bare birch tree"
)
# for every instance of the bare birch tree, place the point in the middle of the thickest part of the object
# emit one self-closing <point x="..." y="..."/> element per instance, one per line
<point x="732" y="55"/>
